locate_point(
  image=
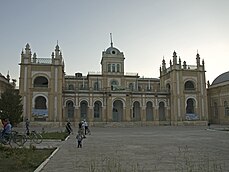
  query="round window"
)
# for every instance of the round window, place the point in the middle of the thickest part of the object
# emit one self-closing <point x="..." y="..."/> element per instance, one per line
<point x="113" y="52"/>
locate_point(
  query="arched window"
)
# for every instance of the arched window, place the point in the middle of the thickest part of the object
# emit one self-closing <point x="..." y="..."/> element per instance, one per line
<point x="189" y="85"/>
<point x="131" y="86"/>
<point x="226" y="108"/>
<point x="168" y="87"/>
<point x="117" y="111"/>
<point x="70" y="109"/>
<point x="190" y="106"/>
<point x="71" y="87"/>
<point x="96" y="85"/>
<point x="118" y="67"/>
<point x="40" y="103"/>
<point x="83" y="109"/>
<point x="40" y="81"/>
<point x="109" y="67"/>
<point x="114" y="83"/>
<point x="97" y="109"/>
<point x="215" y="110"/>
<point x="113" y="67"/>
<point x="136" y="111"/>
<point x="162" y="111"/>
<point x="149" y="111"/>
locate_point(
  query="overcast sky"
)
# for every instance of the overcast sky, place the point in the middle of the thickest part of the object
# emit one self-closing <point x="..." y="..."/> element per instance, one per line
<point x="144" y="30"/>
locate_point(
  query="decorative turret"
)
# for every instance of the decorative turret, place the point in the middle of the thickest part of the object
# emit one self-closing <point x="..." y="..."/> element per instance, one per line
<point x="184" y="65"/>
<point x="163" y="64"/>
<point x="27" y="49"/>
<point x="203" y="64"/>
<point x="179" y="63"/>
<point x="197" y="59"/>
<point x="60" y="56"/>
<point x="34" y="57"/>
<point x="26" y="56"/>
<point x="174" y="58"/>
<point x="57" y="51"/>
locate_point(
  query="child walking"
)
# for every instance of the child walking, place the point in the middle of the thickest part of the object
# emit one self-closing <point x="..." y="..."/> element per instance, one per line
<point x="79" y="138"/>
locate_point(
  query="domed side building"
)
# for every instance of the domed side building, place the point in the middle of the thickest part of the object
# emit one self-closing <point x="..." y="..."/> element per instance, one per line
<point x="218" y="99"/>
<point x="177" y="97"/>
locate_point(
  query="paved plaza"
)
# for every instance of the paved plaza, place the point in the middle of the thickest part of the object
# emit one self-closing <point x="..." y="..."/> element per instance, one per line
<point x="143" y="149"/>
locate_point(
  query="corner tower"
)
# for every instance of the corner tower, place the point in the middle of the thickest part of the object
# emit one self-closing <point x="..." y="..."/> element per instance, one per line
<point x="40" y="85"/>
<point x="187" y="87"/>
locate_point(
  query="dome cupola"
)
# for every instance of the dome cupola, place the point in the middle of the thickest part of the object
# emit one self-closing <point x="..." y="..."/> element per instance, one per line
<point x="112" y="50"/>
<point x="221" y="78"/>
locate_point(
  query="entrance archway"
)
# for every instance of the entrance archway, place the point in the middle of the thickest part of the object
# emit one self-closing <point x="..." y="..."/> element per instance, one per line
<point x="83" y="109"/>
<point x="97" y="111"/>
<point x="190" y="105"/>
<point x="70" y="109"/>
<point x="136" y="111"/>
<point x="162" y="111"/>
<point x="149" y="111"/>
<point x="117" y="112"/>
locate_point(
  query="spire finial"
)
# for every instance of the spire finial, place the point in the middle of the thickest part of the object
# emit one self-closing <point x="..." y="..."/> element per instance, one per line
<point x="57" y="42"/>
<point x="111" y="39"/>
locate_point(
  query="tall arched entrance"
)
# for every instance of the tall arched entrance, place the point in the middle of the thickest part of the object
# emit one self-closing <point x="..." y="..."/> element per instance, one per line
<point x="70" y="109"/>
<point x="83" y="109"/>
<point x="40" y="109"/>
<point x="190" y="105"/>
<point x="97" y="111"/>
<point x="162" y="111"/>
<point x="149" y="111"/>
<point x="136" y="111"/>
<point x="117" y="112"/>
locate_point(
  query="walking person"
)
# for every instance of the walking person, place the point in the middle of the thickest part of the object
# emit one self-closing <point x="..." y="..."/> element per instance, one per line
<point x="79" y="139"/>
<point x="86" y="127"/>
<point x="68" y="127"/>
<point x="81" y="129"/>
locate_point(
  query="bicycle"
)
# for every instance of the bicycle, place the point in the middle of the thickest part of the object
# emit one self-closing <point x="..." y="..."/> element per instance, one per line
<point x="13" y="137"/>
<point x="34" y="137"/>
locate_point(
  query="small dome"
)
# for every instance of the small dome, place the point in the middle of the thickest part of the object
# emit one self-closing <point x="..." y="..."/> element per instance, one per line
<point x="221" y="78"/>
<point x="112" y="50"/>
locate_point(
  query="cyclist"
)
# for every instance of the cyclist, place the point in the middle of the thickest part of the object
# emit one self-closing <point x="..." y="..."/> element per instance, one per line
<point x="7" y="128"/>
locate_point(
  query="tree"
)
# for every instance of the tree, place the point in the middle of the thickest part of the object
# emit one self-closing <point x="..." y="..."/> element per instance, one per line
<point x="11" y="106"/>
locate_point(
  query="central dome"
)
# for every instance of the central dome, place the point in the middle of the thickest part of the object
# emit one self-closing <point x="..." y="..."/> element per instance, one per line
<point x="221" y="78"/>
<point x="112" y="50"/>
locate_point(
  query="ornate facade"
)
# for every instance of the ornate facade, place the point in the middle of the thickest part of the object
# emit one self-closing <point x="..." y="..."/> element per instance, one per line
<point x="112" y="95"/>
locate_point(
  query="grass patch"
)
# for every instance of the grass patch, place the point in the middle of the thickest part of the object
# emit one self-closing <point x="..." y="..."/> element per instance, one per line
<point x="54" y="135"/>
<point x="21" y="160"/>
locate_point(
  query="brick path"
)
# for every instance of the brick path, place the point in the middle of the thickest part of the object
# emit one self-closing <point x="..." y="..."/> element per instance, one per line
<point x="145" y="149"/>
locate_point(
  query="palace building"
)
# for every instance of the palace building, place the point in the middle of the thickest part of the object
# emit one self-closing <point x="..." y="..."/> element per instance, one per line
<point x="177" y="97"/>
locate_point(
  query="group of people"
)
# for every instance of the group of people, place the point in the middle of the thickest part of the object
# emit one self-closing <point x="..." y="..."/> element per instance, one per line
<point x="83" y="130"/>
<point x="6" y="131"/>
